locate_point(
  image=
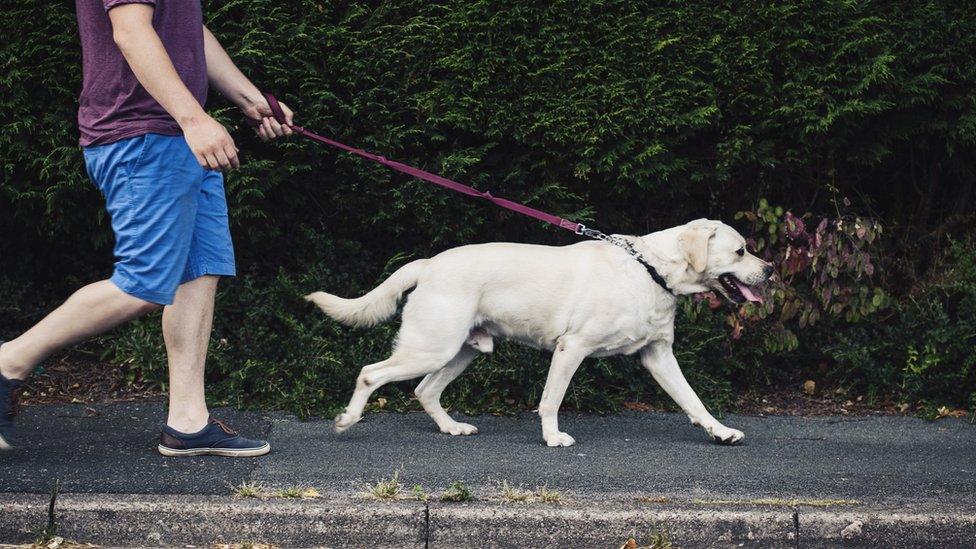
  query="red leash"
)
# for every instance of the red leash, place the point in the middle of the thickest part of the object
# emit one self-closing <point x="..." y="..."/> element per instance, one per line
<point x="577" y="228"/>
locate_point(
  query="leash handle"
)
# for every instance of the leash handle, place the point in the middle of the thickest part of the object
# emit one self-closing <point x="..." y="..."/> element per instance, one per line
<point x="275" y="107"/>
<point x="276" y="112"/>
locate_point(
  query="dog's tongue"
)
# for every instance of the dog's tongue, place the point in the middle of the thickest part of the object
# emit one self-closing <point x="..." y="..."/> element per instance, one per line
<point x="747" y="291"/>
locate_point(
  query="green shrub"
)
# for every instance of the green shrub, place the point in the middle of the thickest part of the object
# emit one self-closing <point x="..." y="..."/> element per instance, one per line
<point x="630" y="116"/>
<point x="924" y="350"/>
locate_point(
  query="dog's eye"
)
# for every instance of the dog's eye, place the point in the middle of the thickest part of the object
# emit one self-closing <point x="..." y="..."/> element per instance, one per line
<point x="740" y="252"/>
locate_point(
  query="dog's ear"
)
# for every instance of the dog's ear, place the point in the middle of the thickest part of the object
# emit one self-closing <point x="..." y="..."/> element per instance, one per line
<point x="693" y="243"/>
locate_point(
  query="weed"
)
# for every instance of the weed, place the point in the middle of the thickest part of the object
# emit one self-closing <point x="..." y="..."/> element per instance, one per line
<point x="456" y="492"/>
<point x="297" y="493"/>
<point x="658" y="539"/>
<point x="546" y="495"/>
<point x="419" y="493"/>
<point x="249" y="490"/>
<point x="255" y="490"/>
<point x="779" y="502"/>
<point x="652" y="499"/>
<point x="386" y="488"/>
<point x="514" y="495"/>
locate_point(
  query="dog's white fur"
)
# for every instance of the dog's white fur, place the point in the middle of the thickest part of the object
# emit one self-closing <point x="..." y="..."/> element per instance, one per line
<point x="586" y="299"/>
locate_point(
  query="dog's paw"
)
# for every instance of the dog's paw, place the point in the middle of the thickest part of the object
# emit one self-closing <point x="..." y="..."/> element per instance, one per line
<point x="560" y="439"/>
<point x="344" y="421"/>
<point x="727" y="436"/>
<point x="458" y="428"/>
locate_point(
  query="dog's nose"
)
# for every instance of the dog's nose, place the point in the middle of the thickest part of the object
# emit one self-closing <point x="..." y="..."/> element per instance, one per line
<point x="768" y="270"/>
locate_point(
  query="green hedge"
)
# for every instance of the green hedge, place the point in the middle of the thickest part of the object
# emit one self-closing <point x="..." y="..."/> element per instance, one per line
<point x="632" y="116"/>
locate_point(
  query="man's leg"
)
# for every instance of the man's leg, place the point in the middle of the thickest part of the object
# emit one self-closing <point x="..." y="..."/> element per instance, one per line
<point x="189" y="429"/>
<point x="186" y="329"/>
<point x="90" y="311"/>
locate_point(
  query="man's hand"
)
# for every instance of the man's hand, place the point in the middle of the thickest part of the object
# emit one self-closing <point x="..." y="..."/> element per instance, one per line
<point x="258" y="110"/>
<point x="210" y="143"/>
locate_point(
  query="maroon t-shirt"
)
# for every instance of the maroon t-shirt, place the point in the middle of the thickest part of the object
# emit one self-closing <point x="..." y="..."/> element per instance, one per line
<point x="113" y="105"/>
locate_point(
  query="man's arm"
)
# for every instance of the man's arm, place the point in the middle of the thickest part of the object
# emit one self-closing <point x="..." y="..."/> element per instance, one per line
<point x="232" y="84"/>
<point x="140" y="45"/>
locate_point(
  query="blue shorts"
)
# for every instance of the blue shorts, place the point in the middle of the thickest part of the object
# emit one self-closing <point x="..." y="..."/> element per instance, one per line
<point x="169" y="214"/>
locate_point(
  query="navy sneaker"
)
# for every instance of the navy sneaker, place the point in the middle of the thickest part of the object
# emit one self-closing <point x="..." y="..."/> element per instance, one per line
<point x="9" y="392"/>
<point x="216" y="439"/>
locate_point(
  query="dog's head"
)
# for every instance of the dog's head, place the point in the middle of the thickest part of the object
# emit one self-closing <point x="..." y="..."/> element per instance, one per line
<point x="717" y="259"/>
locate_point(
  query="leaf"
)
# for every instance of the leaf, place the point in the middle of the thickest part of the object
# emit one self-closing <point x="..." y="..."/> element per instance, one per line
<point x="809" y="387"/>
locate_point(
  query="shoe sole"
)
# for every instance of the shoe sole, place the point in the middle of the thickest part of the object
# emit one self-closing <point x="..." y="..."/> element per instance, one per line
<point x="4" y="445"/>
<point x="223" y="452"/>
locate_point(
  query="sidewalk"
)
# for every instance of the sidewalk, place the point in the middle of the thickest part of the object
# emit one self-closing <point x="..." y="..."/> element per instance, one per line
<point x="797" y="482"/>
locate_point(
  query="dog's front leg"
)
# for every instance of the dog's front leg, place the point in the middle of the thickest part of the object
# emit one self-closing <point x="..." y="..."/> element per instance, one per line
<point x="659" y="359"/>
<point x="565" y="360"/>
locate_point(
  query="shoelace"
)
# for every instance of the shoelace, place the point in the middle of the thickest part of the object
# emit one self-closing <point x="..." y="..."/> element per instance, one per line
<point x="223" y="426"/>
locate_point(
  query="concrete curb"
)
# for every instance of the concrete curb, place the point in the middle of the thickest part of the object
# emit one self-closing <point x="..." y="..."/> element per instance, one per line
<point x="162" y="521"/>
<point x="513" y="525"/>
<point x="346" y="520"/>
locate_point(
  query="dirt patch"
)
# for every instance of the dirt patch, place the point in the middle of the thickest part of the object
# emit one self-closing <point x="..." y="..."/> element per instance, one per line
<point x="71" y="381"/>
<point x="795" y="402"/>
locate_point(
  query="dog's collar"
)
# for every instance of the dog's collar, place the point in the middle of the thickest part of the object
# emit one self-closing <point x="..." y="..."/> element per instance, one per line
<point x="656" y="276"/>
<point x="631" y="251"/>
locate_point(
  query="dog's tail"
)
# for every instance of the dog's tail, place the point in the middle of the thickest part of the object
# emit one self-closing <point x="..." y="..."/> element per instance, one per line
<point x="374" y="307"/>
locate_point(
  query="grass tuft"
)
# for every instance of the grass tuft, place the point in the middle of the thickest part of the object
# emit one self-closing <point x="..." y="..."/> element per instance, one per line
<point x="546" y="495"/>
<point x="652" y="499"/>
<point x="386" y="489"/>
<point x="255" y="490"/>
<point x="514" y="495"/>
<point x="658" y="539"/>
<point x="457" y="492"/>
<point x="247" y="490"/>
<point x="777" y="502"/>
<point x="419" y="493"/>
<point x="297" y="493"/>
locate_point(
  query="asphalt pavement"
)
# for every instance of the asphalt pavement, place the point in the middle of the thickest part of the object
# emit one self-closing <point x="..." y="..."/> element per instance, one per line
<point x="895" y="464"/>
<point x="111" y="449"/>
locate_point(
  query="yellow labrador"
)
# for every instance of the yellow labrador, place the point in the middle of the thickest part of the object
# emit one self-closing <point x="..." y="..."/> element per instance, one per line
<point x="586" y="299"/>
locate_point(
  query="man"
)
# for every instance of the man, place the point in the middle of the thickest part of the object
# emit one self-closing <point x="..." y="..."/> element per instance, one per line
<point x="156" y="156"/>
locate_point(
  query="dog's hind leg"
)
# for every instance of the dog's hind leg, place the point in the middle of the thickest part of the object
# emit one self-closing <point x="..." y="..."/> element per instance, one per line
<point x="430" y="389"/>
<point x="404" y="364"/>
<point x="354" y="411"/>
<point x="433" y="330"/>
